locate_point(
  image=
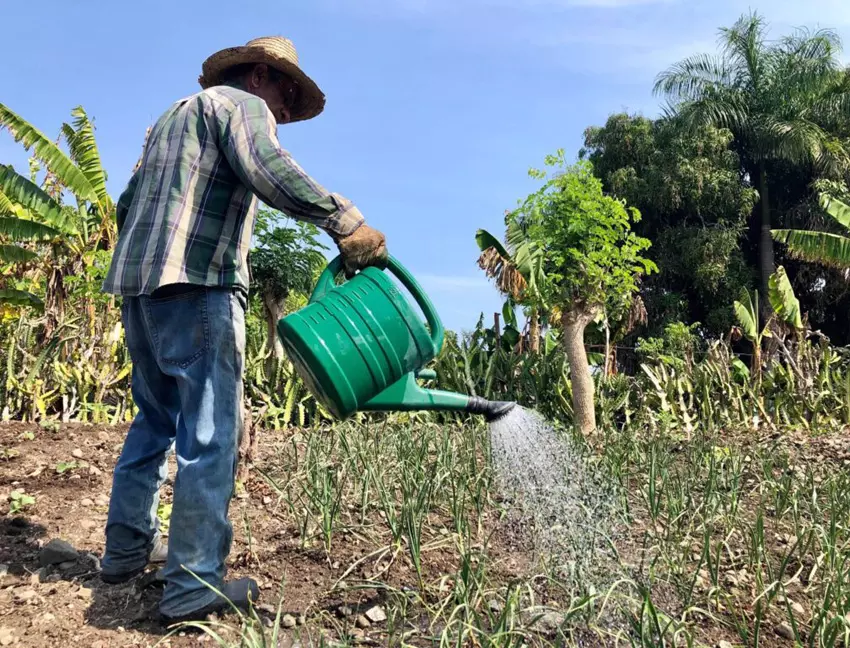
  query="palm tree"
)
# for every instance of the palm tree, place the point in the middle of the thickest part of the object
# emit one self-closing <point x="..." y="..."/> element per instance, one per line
<point x="517" y="269"/>
<point x="780" y="101"/>
<point x="33" y="215"/>
<point x="821" y="247"/>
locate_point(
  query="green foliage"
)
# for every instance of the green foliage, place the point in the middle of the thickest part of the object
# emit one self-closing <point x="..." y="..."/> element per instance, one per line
<point x="286" y="258"/>
<point x="821" y="247"/>
<point x="19" y="500"/>
<point x="693" y="204"/>
<point x="783" y="300"/>
<point x="592" y="258"/>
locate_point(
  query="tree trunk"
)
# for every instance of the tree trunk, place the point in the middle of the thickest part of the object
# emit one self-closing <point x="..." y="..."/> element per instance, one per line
<point x="247" y="441"/>
<point x="766" y="261"/>
<point x="574" y="323"/>
<point x="534" y="331"/>
<point x="274" y="312"/>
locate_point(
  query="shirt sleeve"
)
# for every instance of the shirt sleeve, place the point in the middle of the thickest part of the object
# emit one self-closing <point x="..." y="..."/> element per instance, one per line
<point x="249" y="143"/>
<point x="123" y="204"/>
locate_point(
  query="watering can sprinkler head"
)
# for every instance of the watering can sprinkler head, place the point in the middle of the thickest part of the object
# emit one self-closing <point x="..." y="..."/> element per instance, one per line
<point x="491" y="410"/>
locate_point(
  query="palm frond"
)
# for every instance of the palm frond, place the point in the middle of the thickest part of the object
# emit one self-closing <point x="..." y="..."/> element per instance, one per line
<point x="818" y="247"/>
<point x="48" y="153"/>
<point x="727" y="110"/>
<point x="33" y="198"/>
<point x="16" y="254"/>
<point x="691" y="78"/>
<point x="84" y="152"/>
<point x="796" y="140"/>
<point x="20" y="298"/>
<point x="743" y="47"/>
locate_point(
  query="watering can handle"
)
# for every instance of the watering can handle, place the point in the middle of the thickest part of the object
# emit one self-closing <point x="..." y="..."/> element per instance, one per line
<point x="326" y="283"/>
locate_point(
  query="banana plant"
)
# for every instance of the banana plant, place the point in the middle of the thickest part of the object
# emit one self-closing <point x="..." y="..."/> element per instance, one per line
<point x="821" y="247"/>
<point x="33" y="218"/>
<point x="746" y="313"/>
<point x="517" y="267"/>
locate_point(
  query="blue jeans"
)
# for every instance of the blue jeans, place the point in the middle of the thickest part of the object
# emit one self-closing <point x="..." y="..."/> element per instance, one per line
<point x="187" y="352"/>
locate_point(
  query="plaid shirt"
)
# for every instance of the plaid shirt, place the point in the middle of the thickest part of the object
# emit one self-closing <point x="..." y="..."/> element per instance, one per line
<point x="187" y="215"/>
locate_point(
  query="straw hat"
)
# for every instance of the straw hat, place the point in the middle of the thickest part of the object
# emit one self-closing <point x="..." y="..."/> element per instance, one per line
<point x="276" y="52"/>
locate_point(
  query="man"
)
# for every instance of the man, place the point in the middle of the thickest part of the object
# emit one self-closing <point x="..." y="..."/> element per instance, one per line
<point x="185" y="222"/>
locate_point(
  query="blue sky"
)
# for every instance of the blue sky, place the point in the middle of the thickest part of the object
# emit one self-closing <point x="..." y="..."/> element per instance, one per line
<point x="435" y="108"/>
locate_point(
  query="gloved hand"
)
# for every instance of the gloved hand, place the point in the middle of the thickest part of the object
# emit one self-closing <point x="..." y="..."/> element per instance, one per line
<point x="365" y="247"/>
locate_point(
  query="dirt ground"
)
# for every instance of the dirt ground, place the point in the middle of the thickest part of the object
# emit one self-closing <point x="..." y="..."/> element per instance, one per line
<point x="67" y="470"/>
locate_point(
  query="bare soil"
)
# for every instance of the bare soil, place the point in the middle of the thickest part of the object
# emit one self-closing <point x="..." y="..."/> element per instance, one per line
<point x="69" y="603"/>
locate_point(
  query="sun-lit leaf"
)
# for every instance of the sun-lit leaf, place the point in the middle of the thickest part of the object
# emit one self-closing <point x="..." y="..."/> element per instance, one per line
<point x="32" y="197"/>
<point x="783" y="300"/>
<point x="49" y="153"/>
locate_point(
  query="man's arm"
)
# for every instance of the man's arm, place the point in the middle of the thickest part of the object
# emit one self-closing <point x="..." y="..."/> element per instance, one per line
<point x="250" y="144"/>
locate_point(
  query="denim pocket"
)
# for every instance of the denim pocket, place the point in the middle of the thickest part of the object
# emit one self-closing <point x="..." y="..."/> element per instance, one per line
<point x="180" y="326"/>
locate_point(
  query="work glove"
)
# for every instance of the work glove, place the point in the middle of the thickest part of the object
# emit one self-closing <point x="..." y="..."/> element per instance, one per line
<point x="364" y="247"/>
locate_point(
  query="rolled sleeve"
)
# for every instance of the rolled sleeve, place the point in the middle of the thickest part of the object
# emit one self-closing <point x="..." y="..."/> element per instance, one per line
<point x="249" y="143"/>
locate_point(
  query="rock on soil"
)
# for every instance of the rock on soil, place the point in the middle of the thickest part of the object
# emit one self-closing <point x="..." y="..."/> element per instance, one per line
<point x="376" y="614"/>
<point x="784" y="630"/>
<point x="287" y="621"/>
<point x="57" y="551"/>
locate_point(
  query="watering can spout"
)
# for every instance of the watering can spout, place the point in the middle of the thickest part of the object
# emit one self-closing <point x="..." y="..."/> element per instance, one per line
<point x="491" y="410"/>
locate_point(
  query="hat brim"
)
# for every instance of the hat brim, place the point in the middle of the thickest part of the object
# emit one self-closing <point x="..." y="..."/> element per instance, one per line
<point x="311" y="100"/>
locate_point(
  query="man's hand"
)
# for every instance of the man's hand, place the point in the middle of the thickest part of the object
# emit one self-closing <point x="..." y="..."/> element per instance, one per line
<point x="365" y="247"/>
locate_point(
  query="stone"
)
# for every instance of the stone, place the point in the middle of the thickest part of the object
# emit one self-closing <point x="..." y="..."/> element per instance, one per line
<point x="84" y="593"/>
<point x="344" y="611"/>
<point x="362" y="622"/>
<point x="6" y="636"/>
<point x="77" y="453"/>
<point x="495" y="606"/>
<point x="287" y="621"/>
<point x="94" y="470"/>
<point x="38" y="576"/>
<point x="25" y="595"/>
<point x="56" y="551"/>
<point x="101" y="500"/>
<point x="65" y="566"/>
<point x="87" y="502"/>
<point x="376" y="614"/>
<point x="549" y="622"/>
<point x="301" y="620"/>
<point x="267" y="608"/>
<point x="784" y="630"/>
<point x="798" y="608"/>
<point x="723" y="644"/>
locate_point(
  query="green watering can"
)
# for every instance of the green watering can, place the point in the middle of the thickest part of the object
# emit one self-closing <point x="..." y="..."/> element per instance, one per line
<point x="361" y="346"/>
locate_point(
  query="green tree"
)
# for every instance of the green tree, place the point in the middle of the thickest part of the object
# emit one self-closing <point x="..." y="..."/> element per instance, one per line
<point x="687" y="186"/>
<point x="782" y="101"/>
<point x="517" y="269"/>
<point x="57" y="240"/>
<point x="286" y="260"/>
<point x="592" y="261"/>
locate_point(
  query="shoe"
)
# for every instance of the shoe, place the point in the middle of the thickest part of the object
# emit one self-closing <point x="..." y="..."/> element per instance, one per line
<point x="158" y="554"/>
<point x="239" y="593"/>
